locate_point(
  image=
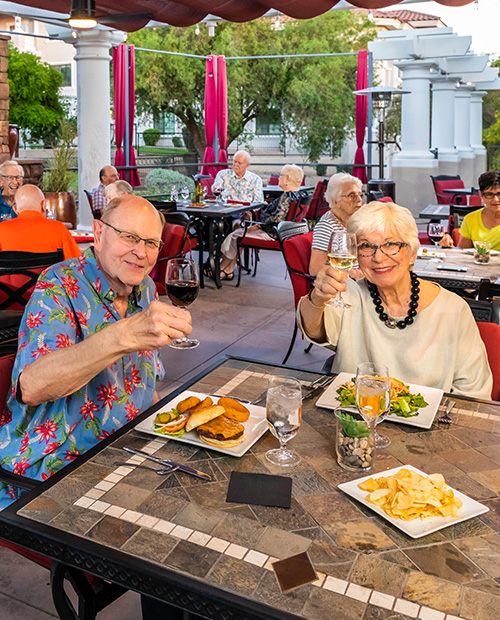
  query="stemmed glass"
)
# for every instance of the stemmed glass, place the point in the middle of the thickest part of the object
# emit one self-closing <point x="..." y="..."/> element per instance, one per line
<point x="182" y="286"/>
<point x="341" y="256"/>
<point x="435" y="232"/>
<point x="284" y="415"/>
<point x="373" y="395"/>
<point x="185" y="193"/>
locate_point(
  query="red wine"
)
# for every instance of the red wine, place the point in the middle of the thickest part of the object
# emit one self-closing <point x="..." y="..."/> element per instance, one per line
<point x="182" y="293"/>
<point x="435" y="238"/>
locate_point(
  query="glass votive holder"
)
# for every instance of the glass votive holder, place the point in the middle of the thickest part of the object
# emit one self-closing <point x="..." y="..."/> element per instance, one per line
<point x="482" y="252"/>
<point x="355" y="440"/>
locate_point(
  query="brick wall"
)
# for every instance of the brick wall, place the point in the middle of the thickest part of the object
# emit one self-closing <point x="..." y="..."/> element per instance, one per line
<point x="4" y="98"/>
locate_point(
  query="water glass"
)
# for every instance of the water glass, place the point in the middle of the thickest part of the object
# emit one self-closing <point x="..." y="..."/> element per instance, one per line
<point x="373" y="395"/>
<point x="174" y="194"/>
<point x="284" y="415"/>
<point x="185" y="193"/>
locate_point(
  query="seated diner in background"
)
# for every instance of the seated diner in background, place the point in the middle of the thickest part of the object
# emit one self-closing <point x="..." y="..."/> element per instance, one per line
<point x="275" y="212"/>
<point x="423" y="333"/>
<point x="11" y="178"/>
<point x="241" y="184"/>
<point x="107" y="175"/>
<point x="31" y="231"/>
<point x="88" y="359"/>
<point x="117" y="189"/>
<point x="345" y="197"/>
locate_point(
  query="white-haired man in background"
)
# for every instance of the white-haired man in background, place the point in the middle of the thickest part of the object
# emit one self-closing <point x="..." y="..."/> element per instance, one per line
<point x="242" y="185"/>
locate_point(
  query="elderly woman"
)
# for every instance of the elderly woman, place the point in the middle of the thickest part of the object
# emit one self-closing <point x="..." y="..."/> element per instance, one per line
<point x="423" y="333"/>
<point x="276" y="211"/>
<point x="117" y="189"/>
<point x="344" y="196"/>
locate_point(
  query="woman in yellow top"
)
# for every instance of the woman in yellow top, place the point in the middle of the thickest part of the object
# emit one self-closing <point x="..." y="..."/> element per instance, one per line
<point x="484" y="224"/>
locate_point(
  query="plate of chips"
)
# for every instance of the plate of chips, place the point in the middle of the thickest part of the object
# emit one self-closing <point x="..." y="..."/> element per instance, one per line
<point x="416" y="503"/>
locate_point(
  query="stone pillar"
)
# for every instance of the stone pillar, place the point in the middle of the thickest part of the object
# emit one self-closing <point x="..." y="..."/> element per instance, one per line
<point x="462" y="134"/>
<point x="476" y="132"/>
<point x="4" y="98"/>
<point x="93" y="87"/>
<point x="443" y="124"/>
<point x="413" y="165"/>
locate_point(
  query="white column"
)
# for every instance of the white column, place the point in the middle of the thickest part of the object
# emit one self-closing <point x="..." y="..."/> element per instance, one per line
<point x="93" y="110"/>
<point x="415" y="115"/>
<point x="476" y="132"/>
<point x="462" y="133"/>
<point x="443" y="119"/>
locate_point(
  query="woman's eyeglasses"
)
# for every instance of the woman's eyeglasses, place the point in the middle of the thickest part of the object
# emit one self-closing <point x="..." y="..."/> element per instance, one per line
<point x="391" y="248"/>
<point x="354" y="196"/>
<point x="491" y="195"/>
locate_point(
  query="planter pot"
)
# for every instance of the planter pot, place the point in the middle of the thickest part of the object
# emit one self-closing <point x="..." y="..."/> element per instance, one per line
<point x="64" y="206"/>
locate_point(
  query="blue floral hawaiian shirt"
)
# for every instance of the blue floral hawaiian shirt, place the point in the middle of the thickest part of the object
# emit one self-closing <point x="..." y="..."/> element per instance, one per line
<point x="71" y="301"/>
<point x="248" y="188"/>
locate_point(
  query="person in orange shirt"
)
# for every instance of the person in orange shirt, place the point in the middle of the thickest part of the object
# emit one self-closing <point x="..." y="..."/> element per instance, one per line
<point x="30" y="231"/>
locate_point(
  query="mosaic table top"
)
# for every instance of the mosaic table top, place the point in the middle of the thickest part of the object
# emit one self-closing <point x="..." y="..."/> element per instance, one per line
<point x="366" y="568"/>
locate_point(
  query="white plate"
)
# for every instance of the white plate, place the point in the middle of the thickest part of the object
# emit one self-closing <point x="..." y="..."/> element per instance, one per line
<point x="416" y="528"/>
<point x="430" y="254"/>
<point x="472" y="250"/>
<point x="425" y="415"/>
<point x="255" y="426"/>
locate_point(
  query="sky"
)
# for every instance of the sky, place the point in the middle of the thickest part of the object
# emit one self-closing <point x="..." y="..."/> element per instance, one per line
<point x="480" y="19"/>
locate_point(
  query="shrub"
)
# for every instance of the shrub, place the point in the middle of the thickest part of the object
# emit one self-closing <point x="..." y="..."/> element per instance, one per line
<point x="177" y="142"/>
<point x="321" y="170"/>
<point x="59" y="178"/>
<point x="151" y="136"/>
<point x="347" y="168"/>
<point x="160" y="181"/>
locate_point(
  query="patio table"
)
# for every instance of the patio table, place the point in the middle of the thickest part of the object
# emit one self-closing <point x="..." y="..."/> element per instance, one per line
<point x="453" y="258"/>
<point x="177" y="539"/>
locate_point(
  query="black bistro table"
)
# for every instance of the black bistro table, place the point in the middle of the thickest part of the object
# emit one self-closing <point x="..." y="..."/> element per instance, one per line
<point x="177" y="539"/>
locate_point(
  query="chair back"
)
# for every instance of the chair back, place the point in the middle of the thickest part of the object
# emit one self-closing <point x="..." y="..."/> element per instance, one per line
<point x="19" y="272"/>
<point x="385" y="199"/>
<point x="95" y="214"/>
<point x="173" y="237"/>
<point x="457" y="214"/>
<point x="490" y="335"/>
<point x="208" y="183"/>
<point x="298" y="209"/>
<point x="297" y="253"/>
<point x="274" y="180"/>
<point x="443" y="181"/>
<point x="318" y="205"/>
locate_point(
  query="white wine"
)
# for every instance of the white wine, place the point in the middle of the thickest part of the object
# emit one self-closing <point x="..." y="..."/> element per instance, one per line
<point x="342" y="261"/>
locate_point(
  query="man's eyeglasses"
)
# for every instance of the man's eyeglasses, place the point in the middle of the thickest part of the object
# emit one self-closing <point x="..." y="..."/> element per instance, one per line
<point x="354" y="196"/>
<point x="17" y="178"/>
<point x="491" y="195"/>
<point x="391" y="248"/>
<point x="152" y="245"/>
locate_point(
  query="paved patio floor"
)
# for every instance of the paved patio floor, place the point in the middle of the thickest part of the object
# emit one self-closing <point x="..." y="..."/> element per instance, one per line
<point x="256" y="321"/>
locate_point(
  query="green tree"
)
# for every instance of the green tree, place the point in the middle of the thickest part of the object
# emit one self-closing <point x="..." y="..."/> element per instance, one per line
<point x="34" y="95"/>
<point x="314" y="95"/>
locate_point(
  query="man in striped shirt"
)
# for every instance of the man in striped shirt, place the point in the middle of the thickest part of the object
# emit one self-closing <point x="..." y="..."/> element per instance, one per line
<point x="344" y="195"/>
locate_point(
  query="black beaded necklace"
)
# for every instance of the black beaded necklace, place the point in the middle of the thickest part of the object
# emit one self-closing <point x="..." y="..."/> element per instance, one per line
<point x="412" y="312"/>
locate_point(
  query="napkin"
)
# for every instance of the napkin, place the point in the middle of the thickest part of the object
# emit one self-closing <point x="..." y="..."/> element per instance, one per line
<point x="294" y="571"/>
<point x="238" y="202"/>
<point x="260" y="489"/>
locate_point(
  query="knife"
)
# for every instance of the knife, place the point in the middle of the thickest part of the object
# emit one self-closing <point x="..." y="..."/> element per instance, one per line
<point x="317" y="387"/>
<point x="180" y="466"/>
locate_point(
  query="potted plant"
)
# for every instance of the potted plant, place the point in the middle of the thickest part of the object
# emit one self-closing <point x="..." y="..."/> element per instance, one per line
<point x="58" y="179"/>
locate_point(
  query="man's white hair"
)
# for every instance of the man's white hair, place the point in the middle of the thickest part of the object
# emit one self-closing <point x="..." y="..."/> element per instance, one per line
<point x="245" y="153"/>
<point x="11" y="162"/>
<point x="336" y="184"/>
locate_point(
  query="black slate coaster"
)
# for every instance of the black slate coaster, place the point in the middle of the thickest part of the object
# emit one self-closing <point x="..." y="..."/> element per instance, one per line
<point x="260" y="489"/>
<point x="294" y="572"/>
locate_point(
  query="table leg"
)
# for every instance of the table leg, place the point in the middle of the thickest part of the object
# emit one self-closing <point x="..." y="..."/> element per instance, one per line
<point x="215" y="237"/>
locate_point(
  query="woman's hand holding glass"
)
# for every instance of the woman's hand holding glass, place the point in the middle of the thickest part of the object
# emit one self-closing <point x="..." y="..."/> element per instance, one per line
<point x="329" y="284"/>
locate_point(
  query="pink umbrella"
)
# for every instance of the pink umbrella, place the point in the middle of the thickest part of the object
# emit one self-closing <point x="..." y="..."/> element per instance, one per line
<point x="210" y="115"/>
<point x="361" y="114"/>
<point x="222" y="111"/>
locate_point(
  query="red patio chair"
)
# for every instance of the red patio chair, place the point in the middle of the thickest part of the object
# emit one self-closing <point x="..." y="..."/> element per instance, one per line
<point x="174" y="246"/>
<point x="318" y="205"/>
<point x="295" y="214"/>
<point x="444" y="181"/>
<point x="274" y="180"/>
<point x="490" y="335"/>
<point x="297" y="254"/>
<point x="208" y="183"/>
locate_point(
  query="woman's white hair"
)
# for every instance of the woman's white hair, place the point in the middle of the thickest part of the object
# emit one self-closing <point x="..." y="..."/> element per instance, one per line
<point x="336" y="184"/>
<point x="118" y="188"/>
<point x="295" y="173"/>
<point x="384" y="217"/>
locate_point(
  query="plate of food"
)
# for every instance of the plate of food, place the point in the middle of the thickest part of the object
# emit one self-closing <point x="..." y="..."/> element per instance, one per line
<point x="222" y="424"/>
<point x="424" y="252"/>
<point x="416" y="503"/>
<point x="198" y="205"/>
<point x="411" y="404"/>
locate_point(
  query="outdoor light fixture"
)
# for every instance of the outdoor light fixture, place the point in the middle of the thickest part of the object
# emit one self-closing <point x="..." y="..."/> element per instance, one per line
<point x="197" y="29"/>
<point x="211" y="24"/>
<point x="82" y="14"/>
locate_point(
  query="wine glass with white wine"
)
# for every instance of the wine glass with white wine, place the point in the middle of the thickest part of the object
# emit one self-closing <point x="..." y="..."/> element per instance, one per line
<point x="341" y="256"/>
<point x="373" y="395"/>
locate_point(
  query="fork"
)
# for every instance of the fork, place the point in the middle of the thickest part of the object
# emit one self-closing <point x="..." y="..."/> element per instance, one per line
<point x="164" y="470"/>
<point x="445" y="418"/>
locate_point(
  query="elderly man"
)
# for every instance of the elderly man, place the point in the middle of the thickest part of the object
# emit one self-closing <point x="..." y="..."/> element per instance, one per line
<point x="243" y="185"/>
<point x="31" y="232"/>
<point x="11" y="178"/>
<point x="107" y="175"/>
<point x="344" y="195"/>
<point x="88" y="346"/>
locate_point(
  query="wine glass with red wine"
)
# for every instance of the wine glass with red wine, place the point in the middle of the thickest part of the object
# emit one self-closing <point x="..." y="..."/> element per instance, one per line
<point x="182" y="286"/>
<point x="435" y="232"/>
